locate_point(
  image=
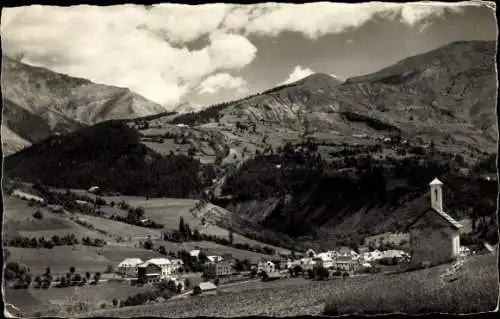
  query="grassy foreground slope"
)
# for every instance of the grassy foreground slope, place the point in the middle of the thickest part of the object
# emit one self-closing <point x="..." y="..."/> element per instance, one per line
<point x="413" y="292"/>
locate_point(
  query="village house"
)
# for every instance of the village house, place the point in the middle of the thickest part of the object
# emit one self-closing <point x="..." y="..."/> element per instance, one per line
<point x="307" y="263"/>
<point x="154" y="270"/>
<point x="194" y="253"/>
<point x="324" y="260"/>
<point x="22" y="195"/>
<point x="266" y="266"/>
<point x="205" y="288"/>
<point x="215" y="258"/>
<point x="56" y="209"/>
<point x="217" y="269"/>
<point x="128" y="267"/>
<point x="434" y="235"/>
<point x="176" y="265"/>
<point x="347" y="252"/>
<point x="310" y="253"/>
<point x="94" y="189"/>
<point x="149" y="273"/>
<point x="346" y="263"/>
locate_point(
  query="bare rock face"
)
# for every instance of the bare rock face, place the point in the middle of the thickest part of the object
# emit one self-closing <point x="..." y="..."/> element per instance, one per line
<point x="61" y="103"/>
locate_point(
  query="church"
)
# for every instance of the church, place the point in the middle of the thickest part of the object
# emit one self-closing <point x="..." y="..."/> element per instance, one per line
<point x="434" y="235"/>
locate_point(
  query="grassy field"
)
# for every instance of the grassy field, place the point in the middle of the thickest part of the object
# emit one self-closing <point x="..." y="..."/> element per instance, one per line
<point x="51" y="301"/>
<point x="211" y="248"/>
<point x="412" y="292"/>
<point x="119" y="229"/>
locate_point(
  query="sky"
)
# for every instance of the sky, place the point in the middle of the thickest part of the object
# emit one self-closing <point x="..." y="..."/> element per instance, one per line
<point x="205" y="54"/>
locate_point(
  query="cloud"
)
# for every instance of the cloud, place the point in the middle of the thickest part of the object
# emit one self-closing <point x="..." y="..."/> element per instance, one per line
<point x="220" y="81"/>
<point x="297" y="74"/>
<point x="320" y="18"/>
<point x="120" y="45"/>
<point x="143" y="48"/>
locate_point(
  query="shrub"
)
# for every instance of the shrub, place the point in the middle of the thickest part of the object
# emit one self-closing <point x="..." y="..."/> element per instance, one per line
<point x="115" y="302"/>
<point x="38" y="214"/>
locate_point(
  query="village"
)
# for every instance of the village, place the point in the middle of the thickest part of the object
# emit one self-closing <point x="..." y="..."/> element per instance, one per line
<point x="434" y="239"/>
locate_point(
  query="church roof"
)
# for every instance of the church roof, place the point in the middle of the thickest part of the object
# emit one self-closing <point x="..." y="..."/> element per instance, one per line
<point x="436" y="181"/>
<point x="450" y="220"/>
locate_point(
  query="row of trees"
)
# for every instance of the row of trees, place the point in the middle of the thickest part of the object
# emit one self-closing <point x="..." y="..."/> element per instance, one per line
<point x="20" y="277"/>
<point x="41" y="242"/>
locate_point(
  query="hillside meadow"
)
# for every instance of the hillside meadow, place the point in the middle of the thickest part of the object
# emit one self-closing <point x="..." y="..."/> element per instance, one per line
<point x="413" y="292"/>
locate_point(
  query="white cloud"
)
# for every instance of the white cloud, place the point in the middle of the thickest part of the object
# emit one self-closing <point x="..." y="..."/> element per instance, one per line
<point x="320" y="18"/>
<point x="119" y="45"/>
<point x="141" y="48"/>
<point x="297" y="74"/>
<point x="222" y="81"/>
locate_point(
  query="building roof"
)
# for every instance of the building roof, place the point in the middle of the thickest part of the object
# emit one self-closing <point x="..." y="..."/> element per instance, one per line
<point x="158" y="261"/>
<point x="450" y="220"/>
<point x="207" y="285"/>
<point x="436" y="181"/>
<point x="194" y="253"/>
<point x="130" y="262"/>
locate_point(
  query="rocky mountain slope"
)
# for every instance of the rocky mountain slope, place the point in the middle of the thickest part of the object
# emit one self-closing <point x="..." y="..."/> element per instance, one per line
<point x="447" y="95"/>
<point x="438" y="109"/>
<point x="34" y="96"/>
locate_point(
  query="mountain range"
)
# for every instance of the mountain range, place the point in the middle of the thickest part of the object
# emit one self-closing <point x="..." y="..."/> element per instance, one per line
<point x="318" y="157"/>
<point x="38" y="103"/>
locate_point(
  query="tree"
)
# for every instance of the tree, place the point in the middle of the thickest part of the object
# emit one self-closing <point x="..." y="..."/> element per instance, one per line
<point x="202" y="257"/>
<point x="38" y="214"/>
<point x="231" y="237"/>
<point x="182" y="228"/>
<point x="72" y="270"/>
<point x="148" y="244"/>
<point x="187" y="283"/>
<point x="109" y="269"/>
<point x="97" y="277"/>
<point x="87" y="275"/>
<point x="115" y="302"/>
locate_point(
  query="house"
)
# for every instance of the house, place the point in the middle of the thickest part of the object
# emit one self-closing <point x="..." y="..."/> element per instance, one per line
<point x="94" y="189"/>
<point x="266" y="266"/>
<point x="149" y="273"/>
<point x="83" y="203"/>
<point x="346" y="263"/>
<point x="205" y="288"/>
<point x="57" y="209"/>
<point x="154" y="269"/>
<point x="128" y="267"/>
<point x="347" y="252"/>
<point x="392" y="256"/>
<point x="324" y="260"/>
<point x="215" y="258"/>
<point x="22" y="195"/>
<point x="176" y="264"/>
<point x="307" y="263"/>
<point x="363" y="249"/>
<point x="217" y="269"/>
<point x="269" y="276"/>
<point x="434" y="235"/>
<point x="194" y="253"/>
<point x="310" y="253"/>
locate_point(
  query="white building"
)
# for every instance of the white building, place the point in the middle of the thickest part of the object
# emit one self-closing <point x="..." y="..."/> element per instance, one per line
<point x="94" y="189"/>
<point x="128" y="267"/>
<point x="324" y="259"/>
<point x="194" y="253"/>
<point x="176" y="264"/>
<point x="266" y="266"/>
<point x="164" y="264"/>
<point x="434" y="235"/>
<point x="215" y="258"/>
<point x="310" y="253"/>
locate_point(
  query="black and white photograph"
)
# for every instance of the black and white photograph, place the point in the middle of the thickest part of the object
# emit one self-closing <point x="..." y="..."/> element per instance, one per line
<point x="271" y="159"/>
